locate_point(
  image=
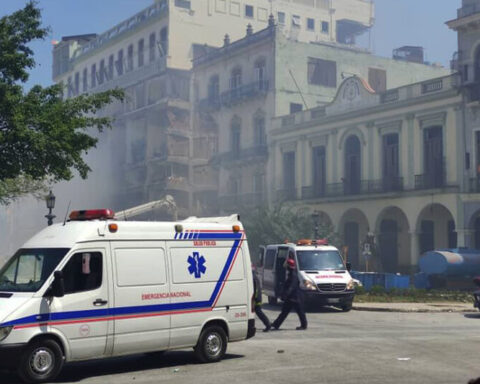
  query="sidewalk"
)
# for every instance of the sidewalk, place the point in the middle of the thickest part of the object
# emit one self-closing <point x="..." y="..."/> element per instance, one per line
<point x="415" y="307"/>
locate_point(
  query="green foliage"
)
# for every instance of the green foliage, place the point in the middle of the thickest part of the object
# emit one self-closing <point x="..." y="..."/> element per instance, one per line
<point x="281" y="223"/>
<point x="42" y="136"/>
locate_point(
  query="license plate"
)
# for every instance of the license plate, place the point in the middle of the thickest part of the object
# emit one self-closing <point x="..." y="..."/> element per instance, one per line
<point x="333" y="300"/>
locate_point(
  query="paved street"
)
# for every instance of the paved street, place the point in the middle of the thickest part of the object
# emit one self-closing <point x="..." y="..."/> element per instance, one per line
<point x="356" y="347"/>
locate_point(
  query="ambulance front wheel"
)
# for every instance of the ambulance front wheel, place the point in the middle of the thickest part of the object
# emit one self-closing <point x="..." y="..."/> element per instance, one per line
<point x="41" y="361"/>
<point x="212" y="345"/>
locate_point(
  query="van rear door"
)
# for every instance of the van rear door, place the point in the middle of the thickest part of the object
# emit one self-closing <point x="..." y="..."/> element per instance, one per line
<point x="142" y="297"/>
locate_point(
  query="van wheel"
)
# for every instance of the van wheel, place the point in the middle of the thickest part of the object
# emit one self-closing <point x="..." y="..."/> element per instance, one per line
<point x="212" y="345"/>
<point x="272" y="300"/>
<point x="41" y="361"/>
<point x="347" y="307"/>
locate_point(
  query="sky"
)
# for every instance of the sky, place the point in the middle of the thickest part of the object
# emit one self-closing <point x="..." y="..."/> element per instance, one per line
<point x="398" y="23"/>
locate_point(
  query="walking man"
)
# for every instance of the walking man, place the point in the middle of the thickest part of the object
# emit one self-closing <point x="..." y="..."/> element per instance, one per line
<point x="292" y="297"/>
<point x="257" y="287"/>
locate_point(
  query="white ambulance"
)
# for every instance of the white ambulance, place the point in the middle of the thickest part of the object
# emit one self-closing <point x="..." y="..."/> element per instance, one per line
<point x="323" y="275"/>
<point x="97" y="287"/>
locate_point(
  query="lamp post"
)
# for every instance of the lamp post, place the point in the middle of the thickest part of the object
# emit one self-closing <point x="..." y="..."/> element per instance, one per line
<point x="315" y="217"/>
<point x="50" y="200"/>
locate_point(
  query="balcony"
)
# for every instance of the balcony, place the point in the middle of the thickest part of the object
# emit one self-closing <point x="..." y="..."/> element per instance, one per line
<point x="430" y="181"/>
<point x="287" y="194"/>
<point x="474" y="185"/>
<point x="242" y="155"/>
<point x="467" y="10"/>
<point x="246" y="200"/>
<point x="244" y="92"/>
<point x="210" y="104"/>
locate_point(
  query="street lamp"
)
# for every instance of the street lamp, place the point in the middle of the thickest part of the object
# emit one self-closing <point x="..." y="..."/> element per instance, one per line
<point x="315" y="217"/>
<point x="50" y="200"/>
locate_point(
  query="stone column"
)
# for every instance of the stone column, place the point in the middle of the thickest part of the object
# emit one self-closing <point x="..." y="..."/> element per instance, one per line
<point x="464" y="238"/>
<point x="414" y="248"/>
<point x="410" y="173"/>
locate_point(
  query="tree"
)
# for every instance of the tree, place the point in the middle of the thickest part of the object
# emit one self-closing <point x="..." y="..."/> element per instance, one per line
<point x="42" y="135"/>
<point x="281" y="223"/>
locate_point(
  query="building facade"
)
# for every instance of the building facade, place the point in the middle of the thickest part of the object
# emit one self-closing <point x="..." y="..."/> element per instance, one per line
<point x="241" y="86"/>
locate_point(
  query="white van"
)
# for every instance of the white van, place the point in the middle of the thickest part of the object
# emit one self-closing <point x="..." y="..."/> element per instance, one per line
<point x="323" y="275"/>
<point x="96" y="287"/>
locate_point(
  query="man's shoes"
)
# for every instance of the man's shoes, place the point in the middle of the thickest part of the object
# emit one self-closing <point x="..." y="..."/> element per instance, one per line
<point x="301" y="328"/>
<point x="267" y="328"/>
<point x="274" y="327"/>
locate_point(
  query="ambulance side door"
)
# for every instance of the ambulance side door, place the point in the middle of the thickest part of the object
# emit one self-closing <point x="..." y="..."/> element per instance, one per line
<point x="82" y="314"/>
<point x="268" y="283"/>
<point x="141" y="297"/>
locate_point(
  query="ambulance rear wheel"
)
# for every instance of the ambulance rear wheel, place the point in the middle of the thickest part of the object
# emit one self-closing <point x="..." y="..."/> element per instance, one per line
<point x="41" y="361"/>
<point x="272" y="300"/>
<point x="212" y="345"/>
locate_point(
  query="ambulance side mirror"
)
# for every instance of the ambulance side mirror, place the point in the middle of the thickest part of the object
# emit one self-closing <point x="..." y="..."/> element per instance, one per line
<point x="349" y="266"/>
<point x="58" y="285"/>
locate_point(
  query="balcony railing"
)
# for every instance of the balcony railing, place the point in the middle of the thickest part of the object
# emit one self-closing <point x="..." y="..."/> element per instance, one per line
<point x="243" y="154"/>
<point x="210" y="104"/>
<point x="474" y="185"/>
<point x="244" y="92"/>
<point x="430" y="181"/>
<point x="468" y="10"/>
<point x="364" y="187"/>
<point x="287" y="194"/>
<point x="254" y="199"/>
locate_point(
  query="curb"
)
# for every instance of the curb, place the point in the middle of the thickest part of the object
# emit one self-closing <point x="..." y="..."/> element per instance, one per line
<point x="414" y="310"/>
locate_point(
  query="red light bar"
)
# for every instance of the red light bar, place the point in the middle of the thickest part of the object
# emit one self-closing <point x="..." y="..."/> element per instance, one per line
<point x="92" y="214"/>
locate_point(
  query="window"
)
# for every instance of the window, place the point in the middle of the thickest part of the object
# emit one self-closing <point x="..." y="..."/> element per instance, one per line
<point x="93" y="76"/>
<point x="289" y="171"/>
<point x="260" y="75"/>
<point x="214" y="88"/>
<point x="269" y="259"/>
<point x="85" y="80"/>
<point x="235" y="136"/>
<point x="110" y="67"/>
<point x="322" y="72"/>
<point x="325" y="27"/>
<point x="183" y="4"/>
<point x="377" y="78"/>
<point x="130" y="58"/>
<point x="248" y="11"/>
<point x="102" y="72"/>
<point x="259" y="130"/>
<point x="310" y="24"/>
<point x="236" y="78"/>
<point x="69" y="87"/>
<point x="281" y="17"/>
<point x="319" y="171"/>
<point x="258" y="183"/>
<point x="295" y="107"/>
<point x="83" y="272"/>
<point x="120" y="63"/>
<point x="151" y="47"/>
<point x="77" y="83"/>
<point x="164" y="42"/>
<point x="141" y="47"/>
<point x="296" y="22"/>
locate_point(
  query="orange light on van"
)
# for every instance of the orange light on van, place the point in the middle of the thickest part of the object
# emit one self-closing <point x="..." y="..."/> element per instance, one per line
<point x="236" y="228"/>
<point x="304" y="242"/>
<point x="113" y="228"/>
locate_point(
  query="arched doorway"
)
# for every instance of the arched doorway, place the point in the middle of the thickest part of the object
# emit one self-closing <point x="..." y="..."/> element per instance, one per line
<point x="393" y="241"/>
<point x="353" y="166"/>
<point x="436" y="228"/>
<point x="353" y="227"/>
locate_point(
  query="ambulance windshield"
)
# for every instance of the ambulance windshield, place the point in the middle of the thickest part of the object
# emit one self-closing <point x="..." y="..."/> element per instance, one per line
<point x="316" y="260"/>
<point x="28" y="269"/>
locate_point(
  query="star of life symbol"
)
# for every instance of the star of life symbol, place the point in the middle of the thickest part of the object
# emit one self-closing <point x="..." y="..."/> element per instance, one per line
<point x="197" y="265"/>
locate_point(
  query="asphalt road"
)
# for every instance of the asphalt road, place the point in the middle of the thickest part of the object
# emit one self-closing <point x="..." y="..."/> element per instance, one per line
<point x="356" y="347"/>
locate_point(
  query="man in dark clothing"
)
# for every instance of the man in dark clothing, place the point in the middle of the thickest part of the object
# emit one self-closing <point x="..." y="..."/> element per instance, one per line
<point x="292" y="297"/>
<point x="257" y="287"/>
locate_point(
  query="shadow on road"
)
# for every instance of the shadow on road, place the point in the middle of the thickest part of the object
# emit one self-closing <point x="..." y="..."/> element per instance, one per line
<point x="310" y="308"/>
<point x="472" y="315"/>
<point x="76" y="372"/>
